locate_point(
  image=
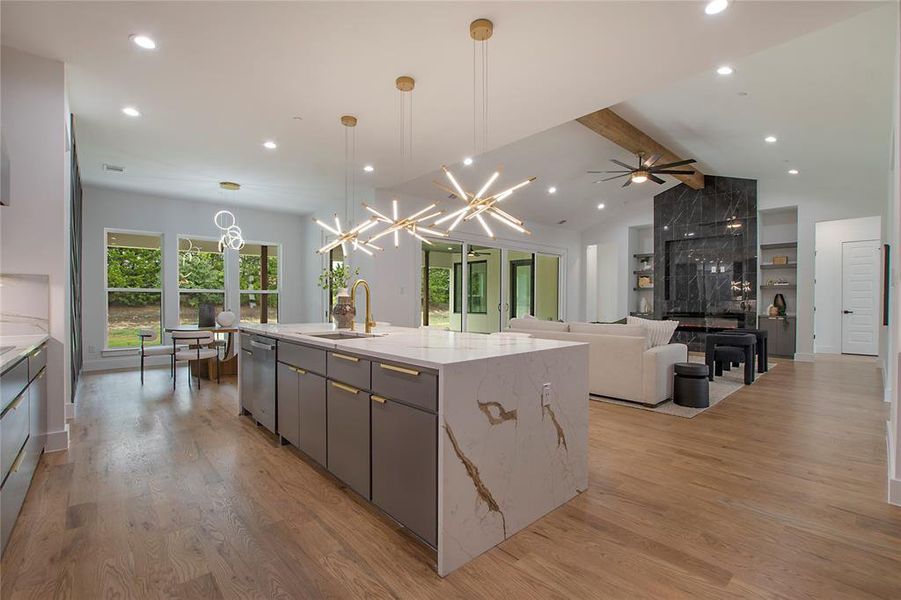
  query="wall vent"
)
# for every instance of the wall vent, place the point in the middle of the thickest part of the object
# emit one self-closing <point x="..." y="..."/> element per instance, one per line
<point x="113" y="168"/>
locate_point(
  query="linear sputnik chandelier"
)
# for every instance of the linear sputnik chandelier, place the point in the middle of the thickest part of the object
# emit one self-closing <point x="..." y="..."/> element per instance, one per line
<point x="409" y="224"/>
<point x="479" y="204"/>
<point x="352" y="235"/>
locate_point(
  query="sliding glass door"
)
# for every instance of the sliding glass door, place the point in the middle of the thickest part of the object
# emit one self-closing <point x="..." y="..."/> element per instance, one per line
<point x="476" y="288"/>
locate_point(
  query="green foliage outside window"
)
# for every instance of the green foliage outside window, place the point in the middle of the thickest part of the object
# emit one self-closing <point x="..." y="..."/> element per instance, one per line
<point x="249" y="269"/>
<point x="133" y="268"/>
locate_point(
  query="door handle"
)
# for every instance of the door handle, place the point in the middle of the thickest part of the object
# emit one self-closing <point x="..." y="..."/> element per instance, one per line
<point x="848" y="312"/>
<point x="346" y="388"/>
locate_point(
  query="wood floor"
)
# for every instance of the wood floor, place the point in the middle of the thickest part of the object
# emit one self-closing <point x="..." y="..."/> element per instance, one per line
<point x="777" y="492"/>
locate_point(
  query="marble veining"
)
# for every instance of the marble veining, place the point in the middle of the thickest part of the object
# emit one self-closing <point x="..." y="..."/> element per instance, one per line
<point x="24" y="304"/>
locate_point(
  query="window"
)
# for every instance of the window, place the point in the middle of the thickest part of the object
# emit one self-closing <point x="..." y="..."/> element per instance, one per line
<point x="133" y="288"/>
<point x="201" y="278"/>
<point x="335" y="259"/>
<point x="478" y="287"/>
<point x="258" y="266"/>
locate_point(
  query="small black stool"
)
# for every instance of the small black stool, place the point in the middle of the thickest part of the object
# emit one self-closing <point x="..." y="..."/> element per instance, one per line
<point x="763" y="350"/>
<point x="746" y="343"/>
<point x="690" y="385"/>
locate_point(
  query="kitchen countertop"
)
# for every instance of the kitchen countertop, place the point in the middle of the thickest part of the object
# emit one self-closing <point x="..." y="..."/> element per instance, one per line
<point x="23" y="345"/>
<point x="424" y="347"/>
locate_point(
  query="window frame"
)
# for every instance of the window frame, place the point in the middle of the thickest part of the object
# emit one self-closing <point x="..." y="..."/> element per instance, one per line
<point x="180" y="290"/>
<point x="106" y="289"/>
<point x="276" y="291"/>
<point x="456" y="282"/>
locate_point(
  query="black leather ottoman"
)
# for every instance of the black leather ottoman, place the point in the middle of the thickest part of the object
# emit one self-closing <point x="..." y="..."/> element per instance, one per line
<point x="690" y="385"/>
<point x="746" y="343"/>
<point x="762" y="345"/>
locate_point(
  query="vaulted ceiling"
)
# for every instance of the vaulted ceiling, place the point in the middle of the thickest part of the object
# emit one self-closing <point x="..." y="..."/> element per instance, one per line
<point x="228" y="75"/>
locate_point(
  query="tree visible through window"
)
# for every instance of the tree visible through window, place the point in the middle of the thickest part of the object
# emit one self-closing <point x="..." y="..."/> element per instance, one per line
<point x="201" y="278"/>
<point x="133" y="288"/>
<point x="259" y="285"/>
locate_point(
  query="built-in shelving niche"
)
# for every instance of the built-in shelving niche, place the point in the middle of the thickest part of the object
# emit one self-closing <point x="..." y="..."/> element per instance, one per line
<point x="641" y="253"/>
<point x="777" y="260"/>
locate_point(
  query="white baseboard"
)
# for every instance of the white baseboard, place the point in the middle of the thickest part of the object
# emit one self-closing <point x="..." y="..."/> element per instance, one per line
<point x="70" y="410"/>
<point x="894" y="491"/>
<point x="805" y="357"/>
<point x="123" y="363"/>
<point x="57" y="441"/>
<point x="887" y="395"/>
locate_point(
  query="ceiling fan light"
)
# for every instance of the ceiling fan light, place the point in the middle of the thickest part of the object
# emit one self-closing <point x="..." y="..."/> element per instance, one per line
<point x="639" y="176"/>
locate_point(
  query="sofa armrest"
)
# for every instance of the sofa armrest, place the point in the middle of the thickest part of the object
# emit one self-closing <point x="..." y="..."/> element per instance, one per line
<point x="657" y="371"/>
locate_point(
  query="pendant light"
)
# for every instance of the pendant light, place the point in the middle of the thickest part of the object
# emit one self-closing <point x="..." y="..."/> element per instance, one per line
<point x="480" y="204"/>
<point x="352" y="236"/>
<point x="225" y="220"/>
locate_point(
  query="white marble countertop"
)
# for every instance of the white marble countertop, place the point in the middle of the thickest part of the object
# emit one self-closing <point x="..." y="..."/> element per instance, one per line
<point x="22" y="345"/>
<point x="424" y="347"/>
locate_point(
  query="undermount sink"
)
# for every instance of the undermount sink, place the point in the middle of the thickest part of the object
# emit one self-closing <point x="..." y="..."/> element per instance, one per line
<point x="340" y="335"/>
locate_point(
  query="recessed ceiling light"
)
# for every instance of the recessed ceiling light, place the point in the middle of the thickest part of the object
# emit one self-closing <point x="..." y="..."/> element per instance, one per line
<point x="601" y="206"/>
<point x="725" y="70"/>
<point x="552" y="190"/>
<point x="467" y="161"/>
<point x="131" y="111"/>
<point x="143" y="41"/>
<point x="793" y="171"/>
<point x="369" y="168"/>
<point x="714" y="7"/>
<point x="770" y="139"/>
<point x="269" y="144"/>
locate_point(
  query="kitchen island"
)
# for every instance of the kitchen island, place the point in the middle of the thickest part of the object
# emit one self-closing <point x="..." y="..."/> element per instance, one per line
<point x="463" y="438"/>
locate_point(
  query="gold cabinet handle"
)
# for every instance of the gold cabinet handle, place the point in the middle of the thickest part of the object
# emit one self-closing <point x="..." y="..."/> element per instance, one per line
<point x="345" y="357"/>
<point x="247" y="352"/>
<point x="346" y="388"/>
<point x="36" y="352"/>
<point x="15" y="403"/>
<point x="42" y="373"/>
<point x="413" y="372"/>
<point x="297" y="370"/>
<point x="378" y="399"/>
<point x="19" y="459"/>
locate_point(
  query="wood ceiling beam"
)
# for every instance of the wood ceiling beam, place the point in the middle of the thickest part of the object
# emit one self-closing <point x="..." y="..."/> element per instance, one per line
<point x="610" y="125"/>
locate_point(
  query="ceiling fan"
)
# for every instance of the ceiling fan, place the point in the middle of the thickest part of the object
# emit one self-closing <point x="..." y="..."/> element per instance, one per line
<point x="647" y="169"/>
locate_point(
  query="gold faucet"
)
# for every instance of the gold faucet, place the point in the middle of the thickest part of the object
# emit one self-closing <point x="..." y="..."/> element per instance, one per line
<point x="370" y="323"/>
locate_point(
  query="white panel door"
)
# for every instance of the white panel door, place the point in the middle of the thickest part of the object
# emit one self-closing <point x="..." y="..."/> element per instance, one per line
<point x="860" y="297"/>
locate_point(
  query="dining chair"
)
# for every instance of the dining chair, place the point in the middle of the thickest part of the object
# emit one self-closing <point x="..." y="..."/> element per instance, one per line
<point x="161" y="350"/>
<point x="199" y="343"/>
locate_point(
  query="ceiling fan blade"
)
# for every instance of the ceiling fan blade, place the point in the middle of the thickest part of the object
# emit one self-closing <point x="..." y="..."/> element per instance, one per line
<point x="676" y="164"/>
<point x="621" y="163"/>
<point x="651" y="160"/>
<point x="629" y="171"/>
<point x="668" y="172"/>
<point x="628" y="182"/>
<point x="655" y="179"/>
<point x="616" y="177"/>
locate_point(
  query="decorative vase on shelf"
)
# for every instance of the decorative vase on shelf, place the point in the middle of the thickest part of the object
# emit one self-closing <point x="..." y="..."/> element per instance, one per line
<point x="772" y="311"/>
<point x="779" y="303"/>
<point x="343" y="312"/>
<point x="644" y="306"/>
<point x="226" y="318"/>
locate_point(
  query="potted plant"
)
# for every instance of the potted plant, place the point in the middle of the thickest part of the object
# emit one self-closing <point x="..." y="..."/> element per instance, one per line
<point x="336" y="280"/>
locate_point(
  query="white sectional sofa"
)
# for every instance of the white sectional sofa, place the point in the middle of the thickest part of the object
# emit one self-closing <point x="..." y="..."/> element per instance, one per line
<point x="623" y="364"/>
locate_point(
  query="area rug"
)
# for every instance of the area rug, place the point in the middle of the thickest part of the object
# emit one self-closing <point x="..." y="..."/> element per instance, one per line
<point x="720" y="389"/>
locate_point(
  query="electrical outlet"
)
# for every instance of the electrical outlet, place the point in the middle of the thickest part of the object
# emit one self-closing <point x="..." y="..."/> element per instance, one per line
<point x="546" y="394"/>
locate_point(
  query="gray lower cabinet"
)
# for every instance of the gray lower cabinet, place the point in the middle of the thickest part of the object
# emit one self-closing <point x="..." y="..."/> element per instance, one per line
<point x="313" y="415"/>
<point x="780" y="335"/>
<point x="348" y="435"/>
<point x="405" y="465"/>
<point x="37" y="410"/>
<point x="288" y="403"/>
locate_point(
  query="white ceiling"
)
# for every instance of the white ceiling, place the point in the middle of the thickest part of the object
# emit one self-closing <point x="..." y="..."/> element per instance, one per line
<point x="228" y="75"/>
<point x="826" y="96"/>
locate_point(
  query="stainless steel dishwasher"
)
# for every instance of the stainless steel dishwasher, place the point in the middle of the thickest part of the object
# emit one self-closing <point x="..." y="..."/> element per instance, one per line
<point x="258" y="380"/>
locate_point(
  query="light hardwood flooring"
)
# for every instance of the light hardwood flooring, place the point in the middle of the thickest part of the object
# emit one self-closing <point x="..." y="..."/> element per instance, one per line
<point x="777" y="492"/>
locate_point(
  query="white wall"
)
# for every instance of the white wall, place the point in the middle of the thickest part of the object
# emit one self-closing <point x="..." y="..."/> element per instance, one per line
<point x="34" y="228"/>
<point x="118" y="209"/>
<point x="892" y="231"/>
<point x="830" y="235"/>
<point x="395" y="273"/>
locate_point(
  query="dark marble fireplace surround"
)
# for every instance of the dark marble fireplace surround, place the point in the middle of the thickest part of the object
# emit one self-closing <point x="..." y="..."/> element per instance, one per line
<point x="705" y="267"/>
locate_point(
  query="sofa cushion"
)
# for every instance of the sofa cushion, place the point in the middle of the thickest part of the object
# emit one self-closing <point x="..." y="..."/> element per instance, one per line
<point x="608" y="329"/>
<point x="659" y="332"/>
<point x="537" y="325"/>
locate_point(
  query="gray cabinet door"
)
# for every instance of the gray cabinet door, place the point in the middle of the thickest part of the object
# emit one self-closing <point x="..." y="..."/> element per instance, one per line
<point x="312" y="403"/>
<point x="264" y="382"/>
<point x="405" y="466"/>
<point x="37" y="398"/>
<point x="348" y="436"/>
<point x="246" y="377"/>
<point x="288" y="408"/>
